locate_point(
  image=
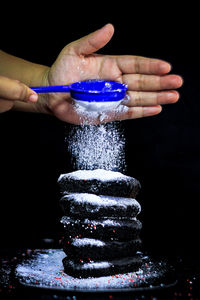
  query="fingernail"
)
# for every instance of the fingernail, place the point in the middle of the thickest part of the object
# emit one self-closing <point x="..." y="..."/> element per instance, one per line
<point x="173" y="95"/>
<point x="151" y="110"/>
<point x="33" y="98"/>
<point x="165" y="67"/>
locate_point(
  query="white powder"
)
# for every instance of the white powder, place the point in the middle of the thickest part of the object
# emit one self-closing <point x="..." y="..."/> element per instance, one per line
<point x="105" y="201"/>
<point x="107" y="222"/>
<point x="97" y="147"/>
<point x="89" y="112"/>
<point x="45" y="270"/>
<point x="87" y="242"/>
<point x="96" y="265"/>
<point x="94" y="108"/>
<point x="99" y="174"/>
<point x="91" y="265"/>
<point x="65" y="220"/>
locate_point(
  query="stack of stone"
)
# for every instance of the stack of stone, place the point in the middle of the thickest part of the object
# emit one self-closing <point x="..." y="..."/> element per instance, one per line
<point x="101" y="229"/>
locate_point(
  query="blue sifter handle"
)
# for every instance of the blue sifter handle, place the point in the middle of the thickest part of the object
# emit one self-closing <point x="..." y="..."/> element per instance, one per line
<point x="51" y="89"/>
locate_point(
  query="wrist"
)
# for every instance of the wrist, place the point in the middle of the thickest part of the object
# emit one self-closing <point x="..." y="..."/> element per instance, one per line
<point x="43" y="98"/>
<point x="41" y="106"/>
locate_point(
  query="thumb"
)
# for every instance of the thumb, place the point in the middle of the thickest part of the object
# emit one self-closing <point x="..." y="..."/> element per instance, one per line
<point x="94" y="41"/>
<point x="15" y="90"/>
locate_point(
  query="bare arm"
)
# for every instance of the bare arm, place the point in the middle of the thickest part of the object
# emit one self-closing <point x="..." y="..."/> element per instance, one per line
<point x="16" y="74"/>
<point x="22" y="70"/>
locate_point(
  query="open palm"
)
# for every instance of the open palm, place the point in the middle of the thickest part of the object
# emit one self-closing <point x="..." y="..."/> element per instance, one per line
<point x="148" y="85"/>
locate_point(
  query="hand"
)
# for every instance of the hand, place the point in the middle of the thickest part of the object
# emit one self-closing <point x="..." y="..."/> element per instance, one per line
<point x="13" y="90"/>
<point x="148" y="85"/>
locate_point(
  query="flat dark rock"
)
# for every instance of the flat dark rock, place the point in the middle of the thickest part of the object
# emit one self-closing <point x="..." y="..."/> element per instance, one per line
<point x="106" y="229"/>
<point x="83" y="205"/>
<point x="99" y="182"/>
<point x="102" y="268"/>
<point x="92" y="249"/>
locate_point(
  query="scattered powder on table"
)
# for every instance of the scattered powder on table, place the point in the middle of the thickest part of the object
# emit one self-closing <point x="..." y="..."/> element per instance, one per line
<point x="45" y="270"/>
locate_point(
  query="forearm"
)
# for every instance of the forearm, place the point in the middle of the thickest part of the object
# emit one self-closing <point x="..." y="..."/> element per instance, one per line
<point x="27" y="72"/>
<point x="16" y="68"/>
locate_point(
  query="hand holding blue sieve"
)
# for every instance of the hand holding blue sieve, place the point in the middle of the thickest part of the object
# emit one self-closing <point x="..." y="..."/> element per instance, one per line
<point x="93" y="94"/>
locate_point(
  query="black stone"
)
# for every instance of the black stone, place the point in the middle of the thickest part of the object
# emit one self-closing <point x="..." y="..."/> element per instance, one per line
<point x="103" y="229"/>
<point x="117" y="266"/>
<point x="97" y="250"/>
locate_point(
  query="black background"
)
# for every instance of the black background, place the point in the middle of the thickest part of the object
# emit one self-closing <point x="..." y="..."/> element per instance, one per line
<point x="163" y="152"/>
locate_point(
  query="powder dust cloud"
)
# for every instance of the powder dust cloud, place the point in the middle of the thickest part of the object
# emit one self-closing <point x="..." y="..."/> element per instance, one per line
<point x="97" y="147"/>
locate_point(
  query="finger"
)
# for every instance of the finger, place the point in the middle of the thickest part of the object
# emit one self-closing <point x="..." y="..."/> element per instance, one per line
<point x="5" y="105"/>
<point x="94" y="41"/>
<point x="140" y="82"/>
<point x="140" y="112"/>
<point x="132" y="113"/>
<point x="150" y="98"/>
<point x="141" y="65"/>
<point x="16" y="91"/>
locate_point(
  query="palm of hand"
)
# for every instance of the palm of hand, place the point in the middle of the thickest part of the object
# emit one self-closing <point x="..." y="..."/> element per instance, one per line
<point x="81" y="68"/>
<point x="149" y="85"/>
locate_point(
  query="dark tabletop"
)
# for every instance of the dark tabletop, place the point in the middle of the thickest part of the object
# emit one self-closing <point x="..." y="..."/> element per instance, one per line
<point x="187" y="286"/>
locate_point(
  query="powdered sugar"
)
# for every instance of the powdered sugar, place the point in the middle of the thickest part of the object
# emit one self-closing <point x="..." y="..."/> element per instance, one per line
<point x="102" y="201"/>
<point x="87" y="242"/>
<point x="97" y="147"/>
<point x="117" y="222"/>
<point x="113" y="222"/>
<point x="98" y="174"/>
<point x="45" y="270"/>
<point x="96" y="265"/>
<point x="90" y="265"/>
<point x="94" y="108"/>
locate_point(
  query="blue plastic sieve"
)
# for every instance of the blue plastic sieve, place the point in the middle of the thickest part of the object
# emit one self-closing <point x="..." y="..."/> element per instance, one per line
<point x="89" y="90"/>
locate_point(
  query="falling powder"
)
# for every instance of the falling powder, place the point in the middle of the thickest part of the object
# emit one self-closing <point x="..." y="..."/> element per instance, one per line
<point x="97" y="147"/>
